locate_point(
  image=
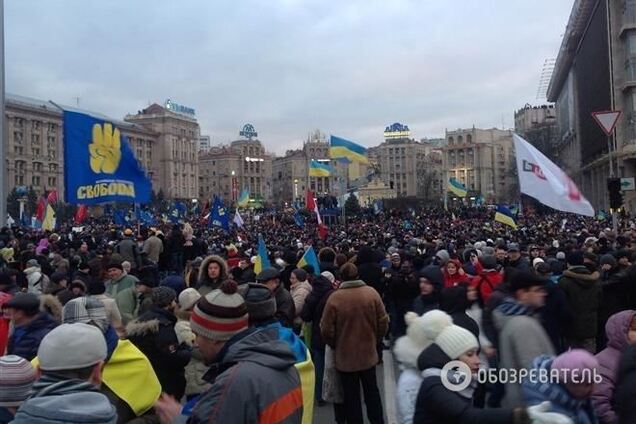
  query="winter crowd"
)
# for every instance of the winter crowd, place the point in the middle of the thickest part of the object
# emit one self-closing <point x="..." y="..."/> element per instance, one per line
<point x="182" y="323"/>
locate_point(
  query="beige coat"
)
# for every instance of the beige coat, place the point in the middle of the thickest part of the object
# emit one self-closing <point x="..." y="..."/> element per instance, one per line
<point x="299" y="293"/>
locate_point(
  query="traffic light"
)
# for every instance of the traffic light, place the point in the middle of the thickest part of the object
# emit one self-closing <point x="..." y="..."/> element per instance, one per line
<point x="615" y="194"/>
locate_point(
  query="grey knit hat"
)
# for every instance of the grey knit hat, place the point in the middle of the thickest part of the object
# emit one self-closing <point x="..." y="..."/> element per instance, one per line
<point x="16" y="380"/>
<point x="163" y="296"/>
<point x="260" y="303"/>
<point x="86" y="310"/>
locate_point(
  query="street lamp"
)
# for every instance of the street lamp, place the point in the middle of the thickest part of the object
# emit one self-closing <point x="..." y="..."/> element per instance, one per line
<point x="234" y="194"/>
<point x="295" y="189"/>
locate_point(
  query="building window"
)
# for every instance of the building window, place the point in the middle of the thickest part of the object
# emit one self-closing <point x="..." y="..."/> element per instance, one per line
<point x="51" y="128"/>
<point x="35" y="180"/>
<point x="18" y="137"/>
<point x="37" y="167"/>
<point x="19" y="180"/>
<point x="450" y="141"/>
<point x="469" y="138"/>
<point x="35" y="138"/>
<point x="19" y="122"/>
<point x="35" y="125"/>
<point x="18" y="150"/>
<point x="52" y="181"/>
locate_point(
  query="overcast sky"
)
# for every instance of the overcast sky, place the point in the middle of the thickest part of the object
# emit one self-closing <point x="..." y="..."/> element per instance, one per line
<point x="349" y="67"/>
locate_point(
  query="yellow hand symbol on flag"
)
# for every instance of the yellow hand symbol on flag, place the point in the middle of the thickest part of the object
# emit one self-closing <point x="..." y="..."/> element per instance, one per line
<point x="105" y="149"/>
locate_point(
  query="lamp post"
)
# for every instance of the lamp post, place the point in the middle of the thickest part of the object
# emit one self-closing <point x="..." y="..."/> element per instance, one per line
<point x="234" y="186"/>
<point x="295" y="189"/>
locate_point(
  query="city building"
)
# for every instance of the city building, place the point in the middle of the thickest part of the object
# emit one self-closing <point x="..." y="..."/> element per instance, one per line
<point x="538" y="125"/>
<point x="291" y="172"/>
<point x="176" y="155"/>
<point x="404" y="163"/>
<point x="483" y="160"/>
<point x="244" y="164"/>
<point x="595" y="71"/>
<point x="35" y="147"/>
<point x="204" y="142"/>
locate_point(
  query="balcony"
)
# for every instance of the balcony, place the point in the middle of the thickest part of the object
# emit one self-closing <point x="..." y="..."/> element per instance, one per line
<point x="628" y="19"/>
<point x="630" y="73"/>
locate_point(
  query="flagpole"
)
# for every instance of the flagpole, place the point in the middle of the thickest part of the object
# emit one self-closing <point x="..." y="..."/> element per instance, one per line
<point x="3" y="164"/>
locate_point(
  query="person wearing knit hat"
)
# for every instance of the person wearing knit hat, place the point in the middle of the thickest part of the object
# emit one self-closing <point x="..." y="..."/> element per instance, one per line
<point x="285" y="309"/>
<point x="255" y="370"/>
<point x="421" y="332"/>
<point x="437" y="401"/>
<point x="70" y="361"/>
<point x="30" y="324"/>
<point x="573" y="375"/>
<point x="153" y="332"/>
<point x="196" y="369"/>
<point x="17" y="376"/>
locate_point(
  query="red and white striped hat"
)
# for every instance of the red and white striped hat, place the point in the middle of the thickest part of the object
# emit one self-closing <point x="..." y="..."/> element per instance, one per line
<point x="220" y="314"/>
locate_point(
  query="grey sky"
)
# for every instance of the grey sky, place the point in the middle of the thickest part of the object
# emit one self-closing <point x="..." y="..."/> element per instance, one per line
<point x="289" y="66"/>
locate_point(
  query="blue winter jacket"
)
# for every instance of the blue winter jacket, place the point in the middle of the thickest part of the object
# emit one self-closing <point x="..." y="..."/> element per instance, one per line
<point x="25" y="340"/>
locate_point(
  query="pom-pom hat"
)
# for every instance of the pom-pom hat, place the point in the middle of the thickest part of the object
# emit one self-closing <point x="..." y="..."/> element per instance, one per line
<point x="220" y="314"/>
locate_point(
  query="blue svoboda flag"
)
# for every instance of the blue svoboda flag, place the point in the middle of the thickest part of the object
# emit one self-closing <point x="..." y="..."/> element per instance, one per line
<point x="100" y="166"/>
<point x="504" y="216"/>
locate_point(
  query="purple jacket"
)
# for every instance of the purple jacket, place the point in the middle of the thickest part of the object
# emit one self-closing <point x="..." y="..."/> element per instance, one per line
<point x="616" y="329"/>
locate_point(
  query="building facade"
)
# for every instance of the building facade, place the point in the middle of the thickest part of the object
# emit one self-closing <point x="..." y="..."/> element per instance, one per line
<point x="483" y="160"/>
<point x="403" y="165"/>
<point x="204" y="142"/>
<point x="34" y="145"/>
<point x="538" y="125"/>
<point x="176" y="156"/>
<point x="227" y="170"/>
<point x="595" y="71"/>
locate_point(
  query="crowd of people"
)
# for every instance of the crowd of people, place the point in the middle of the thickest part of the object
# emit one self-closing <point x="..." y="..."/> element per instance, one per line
<point x="182" y="323"/>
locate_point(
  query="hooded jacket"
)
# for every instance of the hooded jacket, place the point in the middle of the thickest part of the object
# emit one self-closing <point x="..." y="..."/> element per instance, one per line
<point x="521" y="339"/>
<point x="314" y="307"/>
<point x="454" y="301"/>
<point x="534" y="392"/>
<point x="583" y="292"/>
<point x="436" y="404"/>
<point x="38" y="281"/>
<point x="616" y="330"/>
<point x="26" y="339"/>
<point x="249" y="361"/>
<point x="423" y="304"/>
<point x="205" y="284"/>
<point x="153" y="333"/>
<point x="626" y="387"/>
<point x="65" y="401"/>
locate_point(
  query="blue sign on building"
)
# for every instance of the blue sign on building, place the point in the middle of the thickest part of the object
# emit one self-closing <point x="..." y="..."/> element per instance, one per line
<point x="396" y="130"/>
<point x="248" y="131"/>
<point x="177" y="108"/>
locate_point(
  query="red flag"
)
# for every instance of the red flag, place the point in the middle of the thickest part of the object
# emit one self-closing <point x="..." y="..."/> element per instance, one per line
<point x="310" y="202"/>
<point x="52" y="197"/>
<point x="322" y="231"/>
<point x="81" y="214"/>
<point x="41" y="210"/>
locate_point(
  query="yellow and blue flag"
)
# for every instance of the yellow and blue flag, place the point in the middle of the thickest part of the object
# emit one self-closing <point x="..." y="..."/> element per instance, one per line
<point x="457" y="188"/>
<point x="104" y="168"/>
<point x="262" y="260"/>
<point x="244" y="198"/>
<point x="504" y="216"/>
<point x="318" y="169"/>
<point x="310" y="258"/>
<point x="341" y="148"/>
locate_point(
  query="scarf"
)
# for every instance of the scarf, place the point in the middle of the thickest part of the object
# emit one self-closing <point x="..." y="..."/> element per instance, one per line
<point x="511" y="307"/>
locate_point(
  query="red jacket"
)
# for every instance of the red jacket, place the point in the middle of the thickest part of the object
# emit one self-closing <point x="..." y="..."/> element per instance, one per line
<point x="453" y="280"/>
<point x="4" y="324"/>
<point x="485" y="283"/>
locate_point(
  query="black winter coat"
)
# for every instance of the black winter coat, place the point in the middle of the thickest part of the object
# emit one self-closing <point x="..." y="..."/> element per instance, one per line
<point x="402" y="287"/>
<point x="625" y="388"/>
<point x="314" y="307"/>
<point x="436" y="405"/>
<point x="369" y="270"/>
<point x="153" y="333"/>
<point x="583" y="294"/>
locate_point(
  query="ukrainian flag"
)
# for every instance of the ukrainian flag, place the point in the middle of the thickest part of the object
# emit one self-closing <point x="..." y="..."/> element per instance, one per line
<point x="262" y="260"/>
<point x="341" y="148"/>
<point x="244" y="198"/>
<point x="504" y="216"/>
<point x="310" y="258"/>
<point x="318" y="169"/>
<point x="457" y="188"/>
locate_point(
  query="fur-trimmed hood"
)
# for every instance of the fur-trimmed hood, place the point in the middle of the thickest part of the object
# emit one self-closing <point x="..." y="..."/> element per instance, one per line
<point x="142" y="328"/>
<point x="203" y="279"/>
<point x="52" y="305"/>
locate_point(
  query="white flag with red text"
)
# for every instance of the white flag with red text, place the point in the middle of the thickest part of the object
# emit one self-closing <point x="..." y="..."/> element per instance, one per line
<point x="546" y="182"/>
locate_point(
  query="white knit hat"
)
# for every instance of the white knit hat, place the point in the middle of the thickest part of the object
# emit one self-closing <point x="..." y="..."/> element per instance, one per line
<point x="455" y="341"/>
<point x="420" y="333"/>
<point x="188" y="298"/>
<point x="536" y="261"/>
